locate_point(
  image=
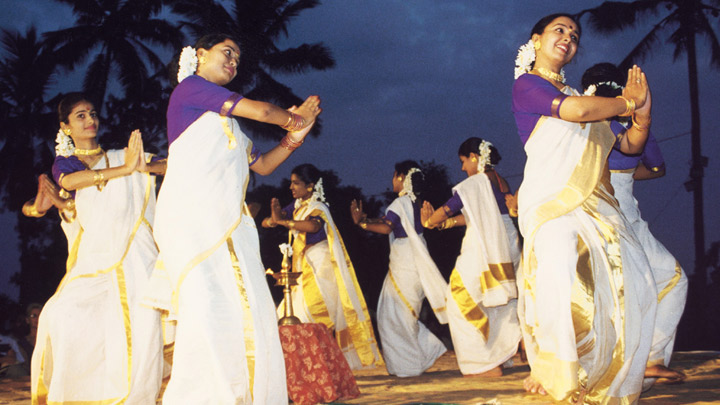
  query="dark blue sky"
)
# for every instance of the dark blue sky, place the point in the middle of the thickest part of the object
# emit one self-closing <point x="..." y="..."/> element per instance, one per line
<point x="416" y="78"/>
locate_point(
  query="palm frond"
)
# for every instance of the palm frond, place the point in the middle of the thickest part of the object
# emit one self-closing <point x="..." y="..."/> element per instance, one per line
<point x="613" y="16"/>
<point x="300" y="59"/>
<point x="647" y="43"/>
<point x="706" y="30"/>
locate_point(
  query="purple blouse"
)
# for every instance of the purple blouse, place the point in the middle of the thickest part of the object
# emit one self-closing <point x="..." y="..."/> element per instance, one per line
<point x="455" y="204"/>
<point x="651" y="155"/>
<point x="310" y="238"/>
<point x="532" y="98"/>
<point x="393" y="221"/>
<point x="191" y="99"/>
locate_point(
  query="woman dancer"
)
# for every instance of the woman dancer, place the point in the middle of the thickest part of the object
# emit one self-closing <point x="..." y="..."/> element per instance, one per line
<point x="587" y="299"/>
<point x="95" y="342"/>
<point x="408" y="346"/>
<point x="328" y="291"/>
<point x="481" y="300"/>
<point x="670" y="279"/>
<point x="227" y="347"/>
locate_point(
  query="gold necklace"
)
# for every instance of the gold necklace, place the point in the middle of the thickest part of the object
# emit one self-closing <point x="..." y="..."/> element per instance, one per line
<point x="551" y="75"/>
<point x="88" y="152"/>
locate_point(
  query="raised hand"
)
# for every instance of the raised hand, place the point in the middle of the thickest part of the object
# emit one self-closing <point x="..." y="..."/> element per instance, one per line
<point x="275" y="211"/>
<point x="356" y="211"/>
<point x="52" y="192"/>
<point x="426" y="212"/>
<point x="132" y="152"/>
<point x="142" y="164"/>
<point x="636" y="87"/>
<point x="309" y="110"/>
<point x="300" y="135"/>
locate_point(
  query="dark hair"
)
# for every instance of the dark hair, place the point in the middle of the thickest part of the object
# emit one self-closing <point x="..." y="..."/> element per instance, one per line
<point x="206" y="41"/>
<point x="417" y="179"/>
<point x="31" y="306"/>
<point x="307" y="173"/>
<point x="68" y="102"/>
<point x="472" y="145"/>
<point x="540" y="26"/>
<point x="604" y="73"/>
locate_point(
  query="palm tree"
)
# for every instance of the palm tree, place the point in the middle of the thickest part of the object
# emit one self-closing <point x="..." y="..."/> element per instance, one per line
<point x="29" y="127"/>
<point x="684" y="21"/>
<point x="119" y="35"/>
<point x="257" y="25"/>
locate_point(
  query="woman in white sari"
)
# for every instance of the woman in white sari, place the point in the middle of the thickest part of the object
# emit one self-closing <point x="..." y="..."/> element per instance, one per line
<point x="328" y="291"/>
<point x="587" y="299"/>
<point x="602" y="80"/>
<point x="95" y="342"/>
<point x="408" y="345"/>
<point x="227" y="348"/>
<point x="481" y="298"/>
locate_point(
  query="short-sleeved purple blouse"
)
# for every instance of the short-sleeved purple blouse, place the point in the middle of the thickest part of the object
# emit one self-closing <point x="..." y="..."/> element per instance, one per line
<point x="651" y="155"/>
<point x="310" y="238"/>
<point x="392" y="219"/>
<point x="532" y="98"/>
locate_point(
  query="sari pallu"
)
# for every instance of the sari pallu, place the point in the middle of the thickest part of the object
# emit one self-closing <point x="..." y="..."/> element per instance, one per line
<point x="409" y="347"/>
<point x="226" y="342"/>
<point x="481" y="296"/>
<point x="328" y="291"/>
<point x="670" y="279"/>
<point x="95" y="343"/>
<point x="587" y="299"/>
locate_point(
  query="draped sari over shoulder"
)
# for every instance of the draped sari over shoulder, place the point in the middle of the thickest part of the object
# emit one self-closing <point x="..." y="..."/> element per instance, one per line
<point x="482" y="293"/>
<point x="587" y="298"/>
<point x="95" y="342"/>
<point x="328" y="291"/>
<point x="408" y="346"/>
<point x="227" y="348"/>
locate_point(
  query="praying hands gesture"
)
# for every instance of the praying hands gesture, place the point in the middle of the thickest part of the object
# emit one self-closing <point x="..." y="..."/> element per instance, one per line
<point x="356" y="211"/>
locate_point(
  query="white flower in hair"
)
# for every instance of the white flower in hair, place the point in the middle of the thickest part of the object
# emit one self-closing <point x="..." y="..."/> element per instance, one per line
<point x="590" y="91"/>
<point x="407" y="184"/>
<point x="484" y="152"/>
<point x="286" y="249"/>
<point x="525" y="58"/>
<point x="187" y="64"/>
<point x="319" y="192"/>
<point x="65" y="146"/>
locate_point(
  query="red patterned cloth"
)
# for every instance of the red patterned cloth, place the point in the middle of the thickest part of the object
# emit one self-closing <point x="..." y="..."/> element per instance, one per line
<point x="316" y="368"/>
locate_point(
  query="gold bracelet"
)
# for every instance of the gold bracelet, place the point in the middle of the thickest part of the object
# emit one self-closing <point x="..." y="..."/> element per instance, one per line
<point x="638" y="126"/>
<point x="294" y="123"/>
<point x="70" y="205"/>
<point x="30" y="210"/>
<point x="363" y="224"/>
<point x="289" y="144"/>
<point x="426" y="224"/>
<point x="99" y="180"/>
<point x="629" y="106"/>
<point x="290" y="224"/>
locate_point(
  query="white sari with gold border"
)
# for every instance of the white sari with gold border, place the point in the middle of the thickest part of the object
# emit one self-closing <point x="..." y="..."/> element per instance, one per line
<point x="95" y="342"/>
<point x="587" y="298"/>
<point x="408" y="345"/>
<point x="226" y="342"/>
<point x="481" y="301"/>
<point x="328" y="291"/>
<point x="670" y="279"/>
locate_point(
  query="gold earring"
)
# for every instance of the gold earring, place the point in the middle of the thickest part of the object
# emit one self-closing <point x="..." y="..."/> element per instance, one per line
<point x="202" y="60"/>
<point x="67" y="131"/>
<point x="537" y="45"/>
<point x="309" y="189"/>
<point x="472" y="159"/>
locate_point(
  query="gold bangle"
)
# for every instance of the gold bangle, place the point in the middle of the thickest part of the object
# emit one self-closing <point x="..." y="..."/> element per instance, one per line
<point x="99" y="180"/>
<point x="289" y="144"/>
<point x="70" y="205"/>
<point x="363" y="224"/>
<point x="638" y="126"/>
<point x="290" y="224"/>
<point x="629" y="106"/>
<point x="426" y="224"/>
<point x="30" y="210"/>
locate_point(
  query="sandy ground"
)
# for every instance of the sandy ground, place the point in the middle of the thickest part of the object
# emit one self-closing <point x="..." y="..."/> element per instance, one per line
<point x="443" y="384"/>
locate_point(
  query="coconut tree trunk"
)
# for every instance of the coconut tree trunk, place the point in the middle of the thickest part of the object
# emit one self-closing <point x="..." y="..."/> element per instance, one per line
<point x="698" y="164"/>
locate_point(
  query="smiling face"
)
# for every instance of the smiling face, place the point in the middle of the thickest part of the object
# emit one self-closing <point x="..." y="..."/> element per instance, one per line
<point x="299" y="188"/>
<point x="558" y="43"/>
<point x="220" y="62"/>
<point x="469" y="164"/>
<point x="82" y="122"/>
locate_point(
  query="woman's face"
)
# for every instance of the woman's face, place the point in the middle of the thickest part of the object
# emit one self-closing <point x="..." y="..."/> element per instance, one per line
<point x="299" y="188"/>
<point x="82" y="122"/>
<point x="221" y="62"/>
<point x="469" y="164"/>
<point x="559" y="41"/>
<point x="397" y="182"/>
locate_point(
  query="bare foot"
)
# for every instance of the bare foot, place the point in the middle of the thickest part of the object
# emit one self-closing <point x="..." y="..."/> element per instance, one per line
<point x="494" y="372"/>
<point x="533" y="386"/>
<point x="660" y="371"/>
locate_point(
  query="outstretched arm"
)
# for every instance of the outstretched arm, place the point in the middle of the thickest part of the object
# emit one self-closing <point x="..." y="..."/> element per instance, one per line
<point x="360" y="219"/>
